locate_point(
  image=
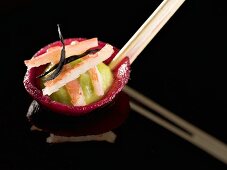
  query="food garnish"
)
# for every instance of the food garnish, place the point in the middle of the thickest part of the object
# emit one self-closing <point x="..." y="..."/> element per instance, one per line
<point x="62" y="59"/>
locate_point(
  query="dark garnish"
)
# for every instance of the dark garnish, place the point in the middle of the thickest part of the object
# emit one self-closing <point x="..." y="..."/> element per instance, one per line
<point x="75" y="57"/>
<point x="68" y="60"/>
<point x="62" y="59"/>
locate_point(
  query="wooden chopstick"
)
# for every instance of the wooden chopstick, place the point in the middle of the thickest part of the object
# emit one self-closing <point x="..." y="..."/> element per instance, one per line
<point x="184" y="129"/>
<point x="147" y="31"/>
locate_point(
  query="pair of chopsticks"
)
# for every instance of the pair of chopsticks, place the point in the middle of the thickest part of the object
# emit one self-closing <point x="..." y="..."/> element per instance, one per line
<point x="147" y="31"/>
<point x="180" y="127"/>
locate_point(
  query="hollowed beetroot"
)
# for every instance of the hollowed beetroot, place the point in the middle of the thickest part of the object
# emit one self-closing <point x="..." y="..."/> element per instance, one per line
<point x="32" y="84"/>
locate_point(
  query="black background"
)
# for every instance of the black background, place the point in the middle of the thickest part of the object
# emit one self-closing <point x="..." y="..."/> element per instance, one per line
<point x="182" y="68"/>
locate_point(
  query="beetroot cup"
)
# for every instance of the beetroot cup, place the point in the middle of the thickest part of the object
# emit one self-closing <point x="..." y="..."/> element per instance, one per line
<point x="93" y="118"/>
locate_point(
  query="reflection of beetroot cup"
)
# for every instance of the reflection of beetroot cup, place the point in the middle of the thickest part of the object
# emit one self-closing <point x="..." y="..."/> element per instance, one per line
<point x="82" y="115"/>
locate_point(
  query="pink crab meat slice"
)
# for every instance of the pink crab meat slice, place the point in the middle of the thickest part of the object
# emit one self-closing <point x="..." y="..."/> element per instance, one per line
<point x="52" y="54"/>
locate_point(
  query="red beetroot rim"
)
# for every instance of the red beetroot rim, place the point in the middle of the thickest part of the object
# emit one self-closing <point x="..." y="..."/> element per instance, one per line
<point x="120" y="75"/>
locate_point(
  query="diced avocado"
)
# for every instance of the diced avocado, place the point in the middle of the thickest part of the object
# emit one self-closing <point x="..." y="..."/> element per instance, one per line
<point x="61" y="96"/>
<point x="87" y="88"/>
<point x="106" y="74"/>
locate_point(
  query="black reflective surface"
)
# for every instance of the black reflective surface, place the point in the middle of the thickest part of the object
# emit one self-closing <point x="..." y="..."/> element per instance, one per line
<point x="183" y="69"/>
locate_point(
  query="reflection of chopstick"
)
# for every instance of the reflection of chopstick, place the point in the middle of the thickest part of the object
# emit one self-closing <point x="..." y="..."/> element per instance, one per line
<point x="177" y="125"/>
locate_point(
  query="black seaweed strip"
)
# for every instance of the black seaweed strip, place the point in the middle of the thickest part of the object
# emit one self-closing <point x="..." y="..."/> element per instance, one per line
<point x="62" y="59"/>
<point x="69" y="60"/>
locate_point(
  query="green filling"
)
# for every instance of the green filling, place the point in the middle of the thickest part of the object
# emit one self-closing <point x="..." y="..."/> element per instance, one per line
<point x="107" y="77"/>
<point x="62" y="95"/>
<point x="87" y="88"/>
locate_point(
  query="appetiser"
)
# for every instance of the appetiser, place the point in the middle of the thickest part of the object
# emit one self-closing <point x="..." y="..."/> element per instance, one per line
<point x="77" y="83"/>
<point x="71" y="80"/>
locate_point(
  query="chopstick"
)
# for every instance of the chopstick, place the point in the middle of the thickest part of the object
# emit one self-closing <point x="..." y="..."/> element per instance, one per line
<point x="177" y="125"/>
<point x="147" y="31"/>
